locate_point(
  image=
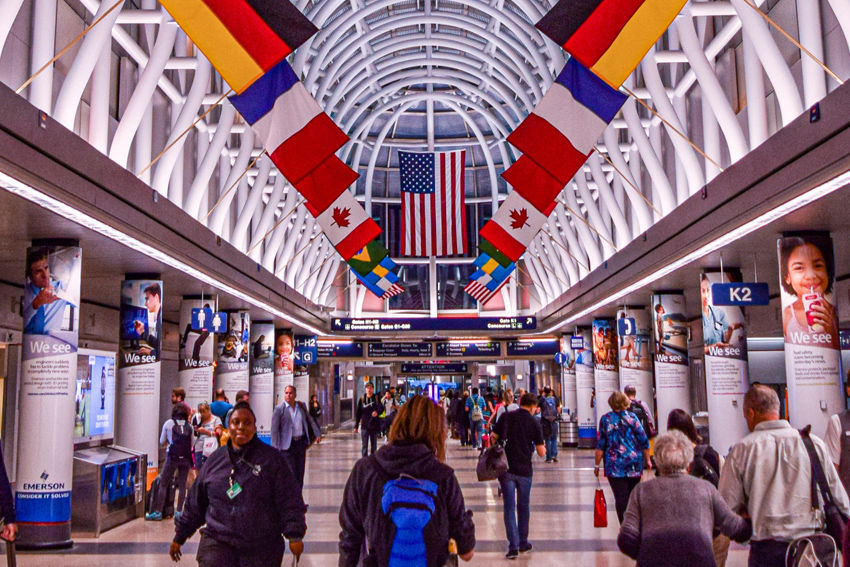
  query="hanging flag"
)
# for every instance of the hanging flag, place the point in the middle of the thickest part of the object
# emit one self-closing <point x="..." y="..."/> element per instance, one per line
<point x="610" y="37"/>
<point x="433" y="215"/>
<point x="480" y="292"/>
<point x="323" y="185"/>
<point x="297" y="134"/>
<point x="242" y="38"/>
<point x="365" y="260"/>
<point x="347" y="225"/>
<point x="561" y="131"/>
<point x="491" y="268"/>
<point x="382" y="287"/>
<point x="532" y="182"/>
<point x="485" y="247"/>
<point x="514" y="226"/>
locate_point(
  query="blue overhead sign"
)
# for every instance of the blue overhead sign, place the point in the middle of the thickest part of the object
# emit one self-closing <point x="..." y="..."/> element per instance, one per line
<point x="626" y="326"/>
<point x="306" y="350"/>
<point x="433" y="368"/>
<point x="339" y="349"/>
<point x="740" y="294"/>
<point x="399" y="350"/>
<point x="533" y="348"/>
<point x="204" y="319"/>
<point x="435" y="324"/>
<point x="462" y="349"/>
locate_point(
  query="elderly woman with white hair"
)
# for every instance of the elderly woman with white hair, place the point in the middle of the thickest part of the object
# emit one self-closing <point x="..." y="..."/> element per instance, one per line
<point x="670" y="519"/>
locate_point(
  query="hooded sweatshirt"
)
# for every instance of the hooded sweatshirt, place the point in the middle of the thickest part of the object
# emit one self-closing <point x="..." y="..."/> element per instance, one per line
<point x="367" y="530"/>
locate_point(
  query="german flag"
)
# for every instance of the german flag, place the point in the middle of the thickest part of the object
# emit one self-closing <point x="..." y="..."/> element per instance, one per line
<point x="242" y="38"/>
<point x="609" y="37"/>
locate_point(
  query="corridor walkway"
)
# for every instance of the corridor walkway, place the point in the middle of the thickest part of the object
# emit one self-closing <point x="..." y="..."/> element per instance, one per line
<point x="561" y="519"/>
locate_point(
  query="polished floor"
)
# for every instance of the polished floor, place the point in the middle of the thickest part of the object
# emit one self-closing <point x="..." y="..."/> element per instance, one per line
<point x="561" y="518"/>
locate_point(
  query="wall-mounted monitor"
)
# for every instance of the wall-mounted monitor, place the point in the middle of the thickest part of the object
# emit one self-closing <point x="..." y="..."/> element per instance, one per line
<point x="94" y="398"/>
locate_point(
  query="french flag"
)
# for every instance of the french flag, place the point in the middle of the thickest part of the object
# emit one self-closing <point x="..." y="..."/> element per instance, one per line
<point x="561" y="131"/>
<point x="297" y="134"/>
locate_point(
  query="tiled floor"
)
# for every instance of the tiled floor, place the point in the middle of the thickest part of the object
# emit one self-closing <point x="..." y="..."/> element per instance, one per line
<point x="561" y="518"/>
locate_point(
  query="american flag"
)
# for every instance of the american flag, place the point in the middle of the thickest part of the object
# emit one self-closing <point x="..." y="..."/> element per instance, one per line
<point x="433" y="219"/>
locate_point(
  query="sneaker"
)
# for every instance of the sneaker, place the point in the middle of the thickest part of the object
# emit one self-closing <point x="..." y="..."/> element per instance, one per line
<point x="154" y="516"/>
<point x="512" y="554"/>
<point x="549" y="460"/>
<point x="525" y="549"/>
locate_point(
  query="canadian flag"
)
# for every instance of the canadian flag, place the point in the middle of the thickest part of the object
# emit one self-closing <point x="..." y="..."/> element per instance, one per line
<point x="347" y="225"/>
<point x="514" y="226"/>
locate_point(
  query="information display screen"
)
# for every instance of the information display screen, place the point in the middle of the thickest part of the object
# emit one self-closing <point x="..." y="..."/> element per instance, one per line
<point x="433" y="368"/>
<point x="438" y="324"/>
<point x="94" y="397"/>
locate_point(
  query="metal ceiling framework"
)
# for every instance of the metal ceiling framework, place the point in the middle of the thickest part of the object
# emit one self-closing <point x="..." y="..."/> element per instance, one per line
<point x="405" y="74"/>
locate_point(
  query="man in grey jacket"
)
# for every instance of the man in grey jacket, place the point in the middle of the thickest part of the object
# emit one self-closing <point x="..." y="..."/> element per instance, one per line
<point x="293" y="431"/>
<point x="768" y="477"/>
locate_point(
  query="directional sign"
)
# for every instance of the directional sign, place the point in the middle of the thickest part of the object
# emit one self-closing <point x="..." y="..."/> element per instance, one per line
<point x="560" y="358"/>
<point x="306" y="349"/>
<point x="576" y="343"/>
<point x="626" y="327"/>
<point x="740" y="294"/>
<point x="202" y="319"/>
<point x="219" y="322"/>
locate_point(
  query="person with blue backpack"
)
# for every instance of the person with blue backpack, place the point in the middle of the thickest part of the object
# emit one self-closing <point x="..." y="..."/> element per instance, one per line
<point x="402" y="504"/>
<point x="475" y="414"/>
<point x="550" y="409"/>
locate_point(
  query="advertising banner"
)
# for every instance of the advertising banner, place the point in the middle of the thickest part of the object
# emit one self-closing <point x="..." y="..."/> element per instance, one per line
<point x="261" y="379"/>
<point x="810" y="326"/>
<point x="670" y="330"/>
<point x="94" y="398"/>
<point x="231" y="369"/>
<point x="724" y="336"/>
<point x="605" y="373"/>
<point x="568" y="376"/>
<point x="633" y="335"/>
<point x="140" y="368"/>
<point x="284" y="363"/>
<point x="51" y="313"/>
<point x="197" y="348"/>
<point x="585" y="391"/>
<point x="301" y="380"/>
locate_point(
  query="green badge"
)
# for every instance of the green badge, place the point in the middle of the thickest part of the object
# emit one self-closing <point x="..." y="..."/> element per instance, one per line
<point x="234" y="490"/>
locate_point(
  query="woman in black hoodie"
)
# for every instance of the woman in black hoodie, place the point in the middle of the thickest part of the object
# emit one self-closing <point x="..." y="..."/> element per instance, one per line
<point x="405" y="482"/>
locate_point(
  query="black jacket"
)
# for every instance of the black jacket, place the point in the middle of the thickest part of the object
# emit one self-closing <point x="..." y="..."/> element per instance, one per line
<point x="265" y="508"/>
<point x="364" y="525"/>
<point x="363" y="416"/>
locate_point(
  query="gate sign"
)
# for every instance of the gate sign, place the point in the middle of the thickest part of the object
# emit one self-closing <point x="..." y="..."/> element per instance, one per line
<point x="626" y="327"/>
<point x="740" y="294"/>
<point x="306" y="349"/>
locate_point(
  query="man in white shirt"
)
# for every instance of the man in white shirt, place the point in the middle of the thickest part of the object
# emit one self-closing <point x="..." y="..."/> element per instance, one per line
<point x="767" y="476"/>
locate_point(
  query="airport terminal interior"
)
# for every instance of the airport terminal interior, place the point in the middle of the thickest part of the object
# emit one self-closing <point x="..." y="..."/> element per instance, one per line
<point x="424" y="196"/>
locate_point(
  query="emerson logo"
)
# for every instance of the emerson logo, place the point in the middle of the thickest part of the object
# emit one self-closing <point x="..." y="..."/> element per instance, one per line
<point x="44" y="485"/>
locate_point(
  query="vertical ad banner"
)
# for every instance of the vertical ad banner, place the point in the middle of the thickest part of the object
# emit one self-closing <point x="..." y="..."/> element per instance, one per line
<point x="724" y="336"/>
<point x="810" y="326"/>
<point x="633" y="336"/>
<point x="139" y="368"/>
<point x="197" y="346"/>
<point x="670" y="329"/>
<point x="51" y="311"/>
<point x="284" y="363"/>
<point x="585" y="388"/>
<point x="606" y="376"/>
<point x="568" y="376"/>
<point x="231" y="369"/>
<point x="261" y="379"/>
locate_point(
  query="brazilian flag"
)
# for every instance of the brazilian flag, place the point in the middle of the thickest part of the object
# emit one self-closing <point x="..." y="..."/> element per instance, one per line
<point x="368" y="257"/>
<point x="487" y="248"/>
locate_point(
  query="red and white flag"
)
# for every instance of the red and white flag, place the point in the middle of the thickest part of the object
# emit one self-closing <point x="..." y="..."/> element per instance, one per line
<point x="433" y="215"/>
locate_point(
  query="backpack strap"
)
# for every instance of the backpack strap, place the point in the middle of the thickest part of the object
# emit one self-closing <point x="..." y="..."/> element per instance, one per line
<point x="818" y="476"/>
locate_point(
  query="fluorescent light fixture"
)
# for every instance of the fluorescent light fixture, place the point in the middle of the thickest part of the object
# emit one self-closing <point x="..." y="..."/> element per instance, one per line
<point x="777" y="213"/>
<point x="539" y="340"/>
<point x="519" y="377"/>
<point x="475" y="341"/>
<point x="64" y="210"/>
<point x="335" y="341"/>
<point x="491" y="369"/>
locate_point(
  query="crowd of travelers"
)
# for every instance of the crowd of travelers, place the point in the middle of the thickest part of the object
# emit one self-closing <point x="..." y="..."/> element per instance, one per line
<point x="678" y="501"/>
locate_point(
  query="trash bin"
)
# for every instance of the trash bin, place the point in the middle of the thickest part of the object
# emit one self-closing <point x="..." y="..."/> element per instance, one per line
<point x="568" y="433"/>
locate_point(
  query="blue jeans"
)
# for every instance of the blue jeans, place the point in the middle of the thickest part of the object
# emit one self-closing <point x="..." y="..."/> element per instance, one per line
<point x="477" y="430"/>
<point x="516" y="495"/>
<point x="551" y="446"/>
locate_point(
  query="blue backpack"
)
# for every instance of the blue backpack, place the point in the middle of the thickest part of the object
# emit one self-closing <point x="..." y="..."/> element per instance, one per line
<point x="409" y="503"/>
